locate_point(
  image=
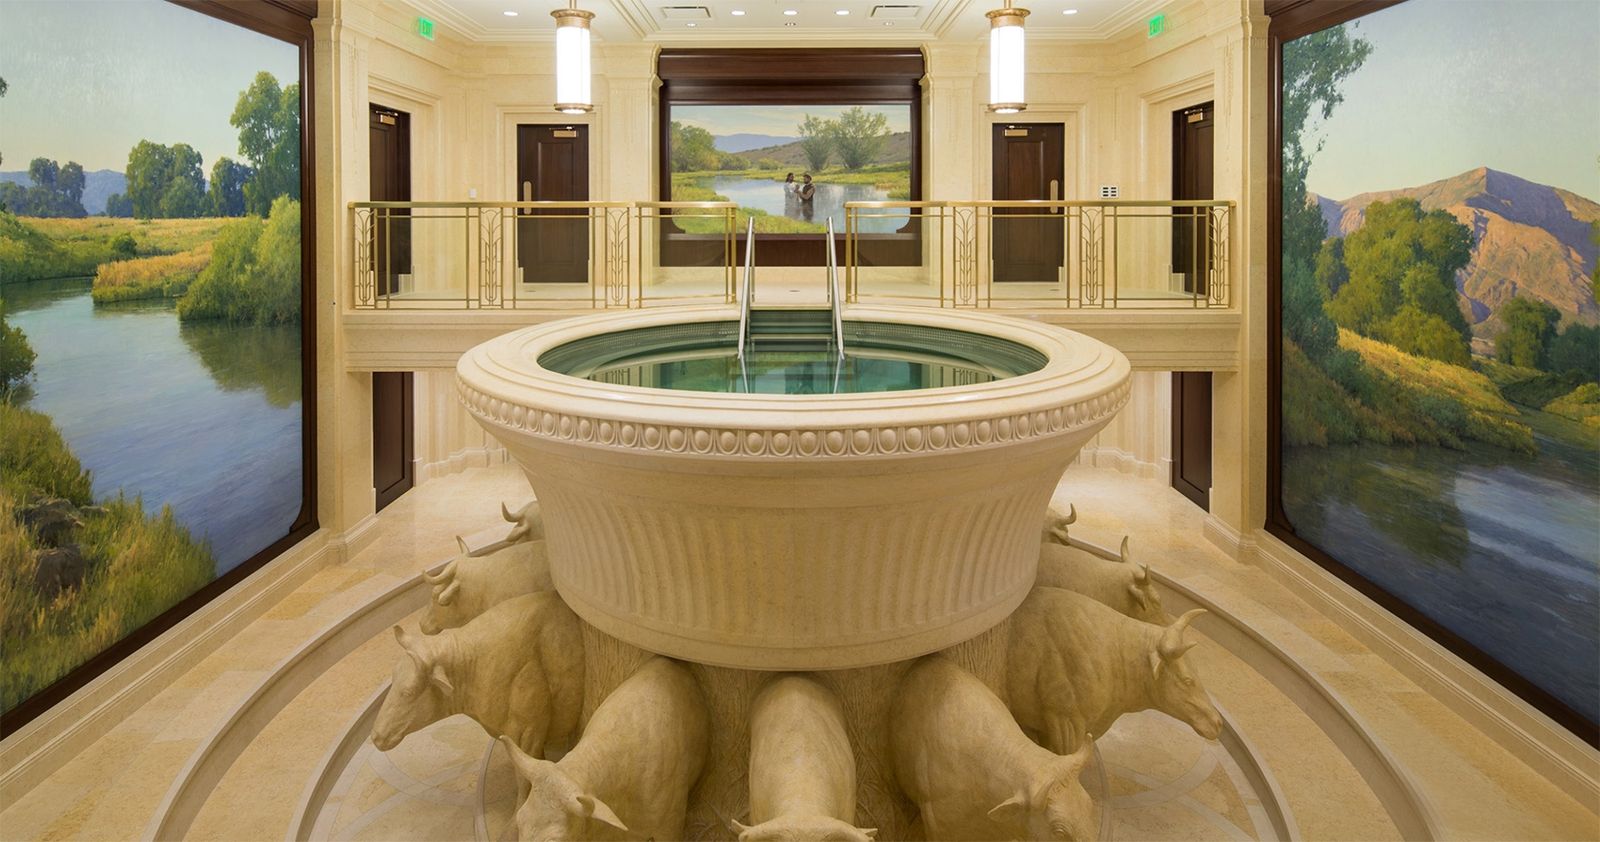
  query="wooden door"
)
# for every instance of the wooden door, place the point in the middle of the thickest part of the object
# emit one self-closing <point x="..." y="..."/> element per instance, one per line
<point x="389" y="180"/>
<point x="1191" y="179"/>
<point x="1191" y="390"/>
<point x="1028" y="164"/>
<point x="553" y="166"/>
<point x="393" y="413"/>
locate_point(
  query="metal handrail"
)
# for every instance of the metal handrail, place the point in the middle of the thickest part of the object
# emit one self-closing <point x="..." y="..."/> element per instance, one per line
<point x="749" y="291"/>
<point x="1053" y="203"/>
<point x="835" y="304"/>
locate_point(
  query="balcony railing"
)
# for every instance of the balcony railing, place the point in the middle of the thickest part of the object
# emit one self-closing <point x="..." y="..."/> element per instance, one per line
<point x="1044" y="255"/>
<point x="544" y="255"/>
<point x="1041" y="254"/>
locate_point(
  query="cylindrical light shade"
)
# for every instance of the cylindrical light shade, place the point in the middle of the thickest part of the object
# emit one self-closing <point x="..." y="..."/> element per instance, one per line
<point x="1006" y="66"/>
<point x="572" y="61"/>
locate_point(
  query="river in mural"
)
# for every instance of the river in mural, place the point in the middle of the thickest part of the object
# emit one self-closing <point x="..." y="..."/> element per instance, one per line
<point x="196" y="416"/>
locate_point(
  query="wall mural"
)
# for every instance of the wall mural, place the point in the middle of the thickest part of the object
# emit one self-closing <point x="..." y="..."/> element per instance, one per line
<point x="1441" y="355"/>
<point x="791" y="167"/>
<point x="150" y="376"/>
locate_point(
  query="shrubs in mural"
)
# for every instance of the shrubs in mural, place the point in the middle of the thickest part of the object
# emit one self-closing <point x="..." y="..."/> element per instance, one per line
<point x="761" y="157"/>
<point x="149" y="337"/>
<point x="1441" y="354"/>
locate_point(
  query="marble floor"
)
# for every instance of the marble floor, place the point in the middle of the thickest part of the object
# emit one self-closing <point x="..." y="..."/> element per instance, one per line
<point x="1182" y="790"/>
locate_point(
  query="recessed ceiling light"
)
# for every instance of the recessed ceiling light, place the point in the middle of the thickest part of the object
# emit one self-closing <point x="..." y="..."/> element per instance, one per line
<point x="1069" y="11"/>
<point x="790" y="12"/>
<point x="790" y="23"/>
<point x="509" y="14"/>
<point x="691" y="24"/>
<point x="842" y="12"/>
<point x="888" y="23"/>
<point x="738" y="13"/>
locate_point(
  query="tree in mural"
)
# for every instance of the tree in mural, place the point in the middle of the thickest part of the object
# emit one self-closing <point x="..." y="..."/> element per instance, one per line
<point x="225" y="194"/>
<point x="859" y="135"/>
<point x="693" y="149"/>
<point x="1401" y="264"/>
<point x="268" y="120"/>
<point x="1529" y="328"/>
<point x="1313" y="68"/>
<point x="57" y="191"/>
<point x="816" y="141"/>
<point x="165" y="181"/>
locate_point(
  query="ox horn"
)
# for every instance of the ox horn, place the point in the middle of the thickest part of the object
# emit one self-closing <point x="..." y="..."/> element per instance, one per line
<point x="505" y="512"/>
<point x="445" y="574"/>
<point x="1072" y="515"/>
<point x="1122" y="552"/>
<point x="461" y="542"/>
<point x="1172" y="644"/>
<point x="1141" y="577"/>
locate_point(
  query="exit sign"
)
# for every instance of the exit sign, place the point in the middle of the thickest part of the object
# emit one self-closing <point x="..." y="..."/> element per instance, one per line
<point x="1158" y="25"/>
<point x="425" y="28"/>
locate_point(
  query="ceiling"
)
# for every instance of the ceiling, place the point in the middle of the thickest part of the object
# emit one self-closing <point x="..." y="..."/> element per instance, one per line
<point x="763" y="22"/>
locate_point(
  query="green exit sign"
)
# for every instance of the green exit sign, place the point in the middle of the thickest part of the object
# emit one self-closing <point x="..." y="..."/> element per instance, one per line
<point x="425" y="28"/>
<point x="1158" y="25"/>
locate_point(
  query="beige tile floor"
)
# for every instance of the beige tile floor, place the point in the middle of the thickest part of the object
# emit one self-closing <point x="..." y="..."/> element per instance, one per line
<point x="112" y="790"/>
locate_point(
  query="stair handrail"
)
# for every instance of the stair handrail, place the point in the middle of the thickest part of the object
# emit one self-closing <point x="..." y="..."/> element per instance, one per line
<point x="835" y="300"/>
<point x="749" y="289"/>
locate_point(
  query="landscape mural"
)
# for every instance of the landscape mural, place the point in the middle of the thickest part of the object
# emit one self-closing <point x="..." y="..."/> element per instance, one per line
<point x="759" y="156"/>
<point x="150" y="350"/>
<point x="1441" y="355"/>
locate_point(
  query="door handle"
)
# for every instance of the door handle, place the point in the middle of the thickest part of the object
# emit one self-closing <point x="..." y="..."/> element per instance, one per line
<point x="1055" y="189"/>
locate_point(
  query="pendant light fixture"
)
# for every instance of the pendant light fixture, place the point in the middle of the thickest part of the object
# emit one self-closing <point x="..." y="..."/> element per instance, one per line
<point x="572" y="59"/>
<point x="1006" y="65"/>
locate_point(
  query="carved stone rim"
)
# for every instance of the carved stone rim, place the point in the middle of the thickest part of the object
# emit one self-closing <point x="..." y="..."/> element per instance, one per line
<point x="1082" y="383"/>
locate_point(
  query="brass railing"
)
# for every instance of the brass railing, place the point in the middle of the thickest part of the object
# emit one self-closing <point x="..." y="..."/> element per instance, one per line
<point x="1041" y="254"/>
<point x="509" y="255"/>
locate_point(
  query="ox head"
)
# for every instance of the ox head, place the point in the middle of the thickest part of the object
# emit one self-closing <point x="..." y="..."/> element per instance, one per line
<point x="802" y="828"/>
<point x="1176" y="690"/>
<point x="526" y="523"/>
<point x="1055" y="806"/>
<point x="1146" y="602"/>
<point x="419" y="694"/>
<point x="1055" y="524"/>
<point x="557" y="808"/>
<point x="446" y="587"/>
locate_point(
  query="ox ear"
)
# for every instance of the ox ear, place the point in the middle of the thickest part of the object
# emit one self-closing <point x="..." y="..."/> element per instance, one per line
<point x="1172" y="645"/>
<point x="1011" y="811"/>
<point x="870" y="832"/>
<point x="437" y="676"/>
<point x="592" y="807"/>
<point x="448" y="593"/>
<point x="407" y="642"/>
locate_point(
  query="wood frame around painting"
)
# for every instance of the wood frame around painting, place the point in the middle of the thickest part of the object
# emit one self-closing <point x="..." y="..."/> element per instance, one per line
<point x="1292" y="19"/>
<point x="790" y="76"/>
<point x="290" y="21"/>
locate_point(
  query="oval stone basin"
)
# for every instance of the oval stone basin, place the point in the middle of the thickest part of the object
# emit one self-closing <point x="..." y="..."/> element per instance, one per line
<point x="793" y="510"/>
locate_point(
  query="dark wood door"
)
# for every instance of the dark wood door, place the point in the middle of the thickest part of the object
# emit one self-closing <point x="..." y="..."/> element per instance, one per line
<point x="1028" y="164"/>
<point x="1191" y="179"/>
<point x="553" y="166"/>
<point x="1191" y="390"/>
<point x="393" y="418"/>
<point x="389" y="180"/>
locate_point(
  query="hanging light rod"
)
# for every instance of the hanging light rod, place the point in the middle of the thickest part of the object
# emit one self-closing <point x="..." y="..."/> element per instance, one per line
<point x="572" y="59"/>
<point x="1007" y="68"/>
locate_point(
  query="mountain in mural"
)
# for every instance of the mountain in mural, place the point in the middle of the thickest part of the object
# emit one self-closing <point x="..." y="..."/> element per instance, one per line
<point x="896" y="148"/>
<point x="1528" y="239"/>
<point x="98" y="185"/>
<point x="745" y="141"/>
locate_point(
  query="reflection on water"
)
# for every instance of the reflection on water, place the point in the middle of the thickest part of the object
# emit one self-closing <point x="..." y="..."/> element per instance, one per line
<point x="1502" y="549"/>
<point x="203" y="417"/>
<point x="791" y="373"/>
<point x="767" y="195"/>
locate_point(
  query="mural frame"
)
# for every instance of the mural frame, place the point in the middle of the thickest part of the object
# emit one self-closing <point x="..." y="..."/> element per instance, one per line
<point x="288" y="21"/>
<point x="1291" y="19"/>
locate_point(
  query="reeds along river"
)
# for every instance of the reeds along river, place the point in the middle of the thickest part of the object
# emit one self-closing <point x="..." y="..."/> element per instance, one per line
<point x="202" y="416"/>
<point x="1501" y="548"/>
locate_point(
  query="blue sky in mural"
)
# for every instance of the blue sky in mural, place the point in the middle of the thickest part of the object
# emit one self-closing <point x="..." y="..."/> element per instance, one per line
<point x="1460" y="67"/>
<point x="119" y="58"/>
